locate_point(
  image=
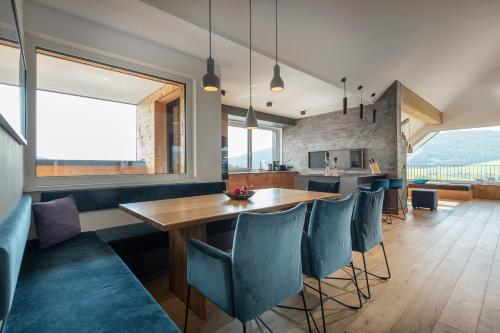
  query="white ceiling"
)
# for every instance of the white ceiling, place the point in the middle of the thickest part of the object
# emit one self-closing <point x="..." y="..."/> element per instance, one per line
<point x="55" y="74"/>
<point x="439" y="49"/>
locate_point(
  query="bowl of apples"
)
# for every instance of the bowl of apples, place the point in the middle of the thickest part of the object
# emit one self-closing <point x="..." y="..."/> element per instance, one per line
<point x="241" y="193"/>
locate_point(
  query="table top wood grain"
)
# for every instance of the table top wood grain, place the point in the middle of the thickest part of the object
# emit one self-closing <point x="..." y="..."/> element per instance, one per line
<point x="185" y="212"/>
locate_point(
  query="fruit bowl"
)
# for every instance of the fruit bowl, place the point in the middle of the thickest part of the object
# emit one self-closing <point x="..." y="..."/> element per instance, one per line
<point x="242" y="193"/>
<point x="242" y="196"/>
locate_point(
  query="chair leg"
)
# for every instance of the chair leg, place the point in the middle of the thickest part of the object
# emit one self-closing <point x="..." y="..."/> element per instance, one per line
<point x="367" y="296"/>
<point x="386" y="262"/>
<point x="357" y="286"/>
<point x="187" y="309"/>
<point x="244" y="327"/>
<point x="306" y="310"/>
<point x="402" y="208"/>
<point x="322" y="309"/>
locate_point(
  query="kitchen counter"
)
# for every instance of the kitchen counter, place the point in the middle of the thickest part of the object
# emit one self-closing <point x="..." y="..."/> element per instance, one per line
<point x="349" y="181"/>
<point x="259" y="171"/>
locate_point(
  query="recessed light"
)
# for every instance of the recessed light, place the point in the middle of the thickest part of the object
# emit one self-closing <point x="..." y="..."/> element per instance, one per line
<point x="106" y="78"/>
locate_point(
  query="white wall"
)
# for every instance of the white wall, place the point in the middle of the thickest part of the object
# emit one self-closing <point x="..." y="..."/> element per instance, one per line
<point x="53" y="29"/>
<point x="477" y="107"/>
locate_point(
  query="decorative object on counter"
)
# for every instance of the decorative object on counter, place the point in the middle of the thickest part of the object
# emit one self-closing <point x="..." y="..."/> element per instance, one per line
<point x="360" y="88"/>
<point x="374" y="112"/>
<point x="242" y="193"/>
<point x="251" y="118"/>
<point x="344" y="100"/>
<point x="327" y="163"/>
<point x="283" y="167"/>
<point x="276" y="165"/>
<point x="277" y="84"/>
<point x="374" y="167"/>
<point x="210" y="81"/>
<point x="335" y="170"/>
<point x="270" y="167"/>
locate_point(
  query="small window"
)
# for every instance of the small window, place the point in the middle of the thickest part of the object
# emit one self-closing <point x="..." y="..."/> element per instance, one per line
<point x="95" y="119"/>
<point x="237" y="148"/>
<point x="10" y="94"/>
<point x="252" y="149"/>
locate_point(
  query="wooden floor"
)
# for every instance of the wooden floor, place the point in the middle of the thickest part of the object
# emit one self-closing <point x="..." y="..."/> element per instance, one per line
<point x="445" y="278"/>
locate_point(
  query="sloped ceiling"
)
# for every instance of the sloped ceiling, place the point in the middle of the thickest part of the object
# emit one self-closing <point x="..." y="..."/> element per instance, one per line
<point x="439" y="49"/>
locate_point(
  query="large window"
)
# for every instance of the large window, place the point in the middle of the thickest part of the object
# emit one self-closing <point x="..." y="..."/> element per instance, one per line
<point x="93" y="119"/>
<point x="10" y="97"/>
<point x="252" y="149"/>
<point x="458" y="155"/>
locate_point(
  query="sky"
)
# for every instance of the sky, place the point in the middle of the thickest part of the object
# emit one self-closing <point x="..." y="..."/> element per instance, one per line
<point x="10" y="107"/>
<point x="79" y="128"/>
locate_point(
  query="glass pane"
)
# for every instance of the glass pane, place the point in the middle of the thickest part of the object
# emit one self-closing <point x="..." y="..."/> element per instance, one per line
<point x="263" y="150"/>
<point x="93" y="119"/>
<point x="237" y="147"/>
<point x="10" y="107"/>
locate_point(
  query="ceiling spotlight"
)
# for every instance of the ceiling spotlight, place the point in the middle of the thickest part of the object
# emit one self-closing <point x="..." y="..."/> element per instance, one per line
<point x="303" y="113"/>
<point x="269" y="104"/>
<point x="223" y="92"/>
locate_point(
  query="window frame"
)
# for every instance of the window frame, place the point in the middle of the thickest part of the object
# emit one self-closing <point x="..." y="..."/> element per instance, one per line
<point x="36" y="184"/>
<point x="277" y="149"/>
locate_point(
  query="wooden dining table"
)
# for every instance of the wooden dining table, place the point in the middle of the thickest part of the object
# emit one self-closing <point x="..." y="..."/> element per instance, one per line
<point x="186" y="218"/>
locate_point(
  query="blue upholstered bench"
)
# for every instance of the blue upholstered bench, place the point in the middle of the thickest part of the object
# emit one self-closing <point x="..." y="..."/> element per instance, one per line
<point x="142" y="247"/>
<point x="80" y="285"/>
<point x="424" y="198"/>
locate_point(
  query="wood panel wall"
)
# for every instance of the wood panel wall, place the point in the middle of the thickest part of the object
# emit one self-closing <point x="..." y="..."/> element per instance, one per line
<point x="261" y="180"/>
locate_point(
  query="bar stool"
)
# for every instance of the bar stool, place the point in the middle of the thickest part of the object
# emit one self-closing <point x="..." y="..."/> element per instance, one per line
<point x="396" y="184"/>
<point x="374" y="186"/>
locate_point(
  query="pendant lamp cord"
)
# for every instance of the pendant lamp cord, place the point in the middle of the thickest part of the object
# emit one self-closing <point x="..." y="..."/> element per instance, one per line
<point x="210" y="27"/>
<point x="250" y="1"/>
<point x="276" y="53"/>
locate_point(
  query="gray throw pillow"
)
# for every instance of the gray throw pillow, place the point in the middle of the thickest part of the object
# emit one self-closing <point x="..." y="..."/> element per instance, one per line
<point x="56" y="221"/>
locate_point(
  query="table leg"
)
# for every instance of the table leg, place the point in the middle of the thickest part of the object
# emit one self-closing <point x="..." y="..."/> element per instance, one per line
<point x="178" y="242"/>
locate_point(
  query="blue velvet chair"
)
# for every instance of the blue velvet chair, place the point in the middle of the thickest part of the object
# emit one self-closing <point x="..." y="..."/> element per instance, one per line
<point x="366" y="229"/>
<point x="330" y="187"/>
<point x="326" y="247"/>
<point x="263" y="270"/>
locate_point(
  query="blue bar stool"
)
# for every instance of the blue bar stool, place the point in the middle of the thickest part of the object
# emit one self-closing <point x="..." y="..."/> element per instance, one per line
<point x="395" y="184"/>
<point x="374" y="186"/>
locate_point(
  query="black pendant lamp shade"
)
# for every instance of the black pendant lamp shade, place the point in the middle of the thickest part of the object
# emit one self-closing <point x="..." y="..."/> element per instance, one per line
<point x="210" y="81"/>
<point x="277" y="84"/>
<point x="344" y="104"/>
<point x="251" y="119"/>
<point x="360" y="88"/>
<point x="374" y="109"/>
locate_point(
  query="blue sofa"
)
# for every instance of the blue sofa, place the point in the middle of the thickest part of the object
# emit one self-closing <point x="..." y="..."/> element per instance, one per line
<point x="80" y="285"/>
<point x="141" y="246"/>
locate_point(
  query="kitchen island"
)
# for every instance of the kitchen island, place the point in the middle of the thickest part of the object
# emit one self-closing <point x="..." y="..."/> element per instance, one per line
<point x="349" y="181"/>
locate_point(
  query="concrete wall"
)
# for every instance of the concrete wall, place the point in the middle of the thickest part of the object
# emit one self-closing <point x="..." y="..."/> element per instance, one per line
<point x="337" y="131"/>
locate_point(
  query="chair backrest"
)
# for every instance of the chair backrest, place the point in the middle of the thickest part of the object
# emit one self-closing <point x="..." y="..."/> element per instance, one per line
<point x="379" y="183"/>
<point x="13" y="235"/>
<point x="329" y="236"/>
<point x="366" y="228"/>
<point x="266" y="260"/>
<point x="329" y="187"/>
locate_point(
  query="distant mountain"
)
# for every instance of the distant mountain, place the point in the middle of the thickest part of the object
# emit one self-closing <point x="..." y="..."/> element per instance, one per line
<point x="459" y="148"/>
<point x="258" y="156"/>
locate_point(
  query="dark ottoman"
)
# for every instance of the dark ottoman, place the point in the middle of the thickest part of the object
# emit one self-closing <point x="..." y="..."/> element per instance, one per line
<point x="424" y="199"/>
